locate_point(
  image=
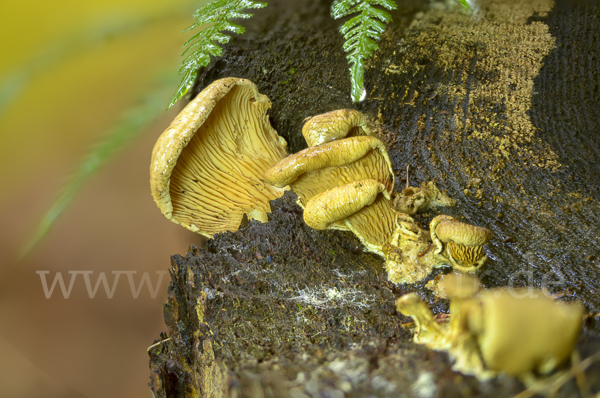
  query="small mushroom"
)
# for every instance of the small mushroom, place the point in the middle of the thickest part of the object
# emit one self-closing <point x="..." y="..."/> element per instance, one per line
<point x="335" y="125"/>
<point x="414" y="200"/>
<point x="208" y="167"/>
<point x="410" y="201"/>
<point x="427" y="330"/>
<point x="461" y="243"/>
<point x="518" y="332"/>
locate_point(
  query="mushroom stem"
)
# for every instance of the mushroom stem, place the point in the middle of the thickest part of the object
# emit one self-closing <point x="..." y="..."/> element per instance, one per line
<point x="427" y="331"/>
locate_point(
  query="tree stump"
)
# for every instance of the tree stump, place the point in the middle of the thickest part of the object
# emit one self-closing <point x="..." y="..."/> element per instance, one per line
<point x="501" y="109"/>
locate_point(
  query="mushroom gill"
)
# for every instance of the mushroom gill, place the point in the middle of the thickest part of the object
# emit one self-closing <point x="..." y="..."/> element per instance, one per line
<point x="375" y="224"/>
<point x="462" y="243"/>
<point x="208" y="167"/>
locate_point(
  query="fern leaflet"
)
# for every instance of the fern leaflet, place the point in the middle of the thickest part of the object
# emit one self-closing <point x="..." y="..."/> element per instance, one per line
<point x="465" y="4"/>
<point x="361" y="34"/>
<point x="203" y="44"/>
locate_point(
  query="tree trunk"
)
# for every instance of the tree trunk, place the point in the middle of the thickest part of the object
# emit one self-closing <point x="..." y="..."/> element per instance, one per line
<point x="501" y="108"/>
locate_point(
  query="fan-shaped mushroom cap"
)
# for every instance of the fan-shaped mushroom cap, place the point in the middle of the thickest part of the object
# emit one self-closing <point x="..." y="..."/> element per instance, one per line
<point x="208" y="166"/>
<point x="341" y="202"/>
<point x="335" y="125"/>
<point x="318" y="169"/>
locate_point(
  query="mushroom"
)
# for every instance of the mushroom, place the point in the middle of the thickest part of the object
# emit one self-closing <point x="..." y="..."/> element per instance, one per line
<point x="317" y="169"/>
<point x="517" y="332"/>
<point x="340" y="177"/>
<point x="414" y="200"/>
<point x="342" y="202"/>
<point x="345" y="183"/>
<point x="461" y="243"/>
<point x="208" y="166"/>
<point x="335" y="125"/>
<point x="517" y="335"/>
<point x="427" y="330"/>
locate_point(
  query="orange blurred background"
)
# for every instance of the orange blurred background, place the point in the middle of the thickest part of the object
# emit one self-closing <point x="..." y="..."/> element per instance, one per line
<point x="81" y="65"/>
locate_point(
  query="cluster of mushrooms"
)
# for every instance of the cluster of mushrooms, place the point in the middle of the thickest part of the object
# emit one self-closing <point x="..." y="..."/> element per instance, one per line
<point x="221" y="161"/>
<point x="519" y="332"/>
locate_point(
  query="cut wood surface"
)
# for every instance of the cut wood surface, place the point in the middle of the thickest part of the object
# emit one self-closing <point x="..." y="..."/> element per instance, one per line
<point x="501" y="108"/>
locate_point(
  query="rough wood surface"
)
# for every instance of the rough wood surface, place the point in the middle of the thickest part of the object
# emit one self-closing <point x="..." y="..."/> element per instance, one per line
<point x="503" y="110"/>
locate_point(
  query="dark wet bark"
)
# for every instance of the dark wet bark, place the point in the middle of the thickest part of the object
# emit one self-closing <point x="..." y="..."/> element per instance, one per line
<point x="279" y="309"/>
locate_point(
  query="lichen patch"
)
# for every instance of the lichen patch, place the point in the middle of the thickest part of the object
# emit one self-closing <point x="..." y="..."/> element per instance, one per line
<point x="492" y="58"/>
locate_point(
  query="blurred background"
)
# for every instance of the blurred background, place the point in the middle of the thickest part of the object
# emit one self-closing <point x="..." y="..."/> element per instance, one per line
<point x="72" y="72"/>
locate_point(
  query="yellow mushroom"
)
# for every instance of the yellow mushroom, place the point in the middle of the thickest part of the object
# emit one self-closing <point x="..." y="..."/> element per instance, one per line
<point x="330" y="165"/>
<point x="208" y="166"/>
<point x="427" y="330"/>
<point x="335" y="125"/>
<point x="461" y="243"/>
<point x="364" y="208"/>
<point x="414" y="200"/>
<point x="339" y="203"/>
<point x="317" y="169"/>
<point x="345" y="183"/>
<point x="517" y="332"/>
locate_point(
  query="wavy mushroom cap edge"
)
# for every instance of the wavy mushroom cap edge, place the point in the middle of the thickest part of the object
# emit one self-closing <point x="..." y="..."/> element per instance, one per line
<point x="207" y="167"/>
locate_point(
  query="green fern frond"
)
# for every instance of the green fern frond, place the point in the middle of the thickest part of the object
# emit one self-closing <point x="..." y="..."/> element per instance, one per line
<point x="361" y="34"/>
<point x="203" y="44"/>
<point x="465" y="4"/>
